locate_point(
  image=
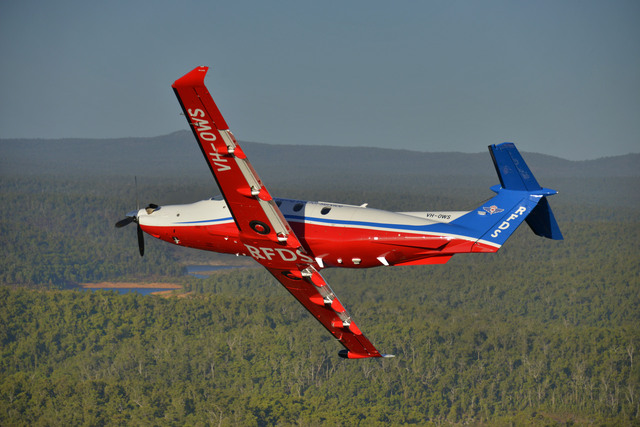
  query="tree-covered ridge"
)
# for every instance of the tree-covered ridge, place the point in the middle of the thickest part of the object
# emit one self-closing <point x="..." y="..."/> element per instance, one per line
<point x="177" y="155"/>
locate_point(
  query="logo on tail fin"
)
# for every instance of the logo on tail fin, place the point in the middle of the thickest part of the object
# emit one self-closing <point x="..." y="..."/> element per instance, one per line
<point x="492" y="209"/>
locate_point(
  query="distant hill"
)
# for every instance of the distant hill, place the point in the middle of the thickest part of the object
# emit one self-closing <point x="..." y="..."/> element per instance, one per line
<point x="177" y="154"/>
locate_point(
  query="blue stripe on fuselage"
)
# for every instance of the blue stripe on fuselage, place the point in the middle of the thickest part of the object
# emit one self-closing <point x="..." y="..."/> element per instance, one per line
<point x="427" y="228"/>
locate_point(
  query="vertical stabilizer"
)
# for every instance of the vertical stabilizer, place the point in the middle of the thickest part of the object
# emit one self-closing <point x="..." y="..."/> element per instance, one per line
<point x="519" y="198"/>
<point x="512" y="170"/>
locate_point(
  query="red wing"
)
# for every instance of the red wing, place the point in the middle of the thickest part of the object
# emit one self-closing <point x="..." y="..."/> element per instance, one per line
<point x="251" y="205"/>
<point x="264" y="231"/>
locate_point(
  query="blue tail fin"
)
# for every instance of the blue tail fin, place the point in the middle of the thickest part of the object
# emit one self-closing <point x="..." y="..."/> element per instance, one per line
<point x="519" y="198"/>
<point x="514" y="174"/>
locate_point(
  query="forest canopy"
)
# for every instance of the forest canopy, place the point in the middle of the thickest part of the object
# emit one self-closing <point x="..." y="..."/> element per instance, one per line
<point x="542" y="332"/>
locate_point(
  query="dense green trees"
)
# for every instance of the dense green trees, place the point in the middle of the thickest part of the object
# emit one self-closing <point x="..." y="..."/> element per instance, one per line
<point x="542" y="332"/>
<point x="60" y="231"/>
<point x="83" y="357"/>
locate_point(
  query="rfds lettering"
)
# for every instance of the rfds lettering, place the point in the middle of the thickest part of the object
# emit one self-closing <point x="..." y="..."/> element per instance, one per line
<point x="506" y="223"/>
<point x="278" y="253"/>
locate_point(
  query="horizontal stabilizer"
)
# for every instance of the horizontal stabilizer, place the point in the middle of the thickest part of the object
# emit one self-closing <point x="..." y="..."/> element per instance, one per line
<point x="542" y="221"/>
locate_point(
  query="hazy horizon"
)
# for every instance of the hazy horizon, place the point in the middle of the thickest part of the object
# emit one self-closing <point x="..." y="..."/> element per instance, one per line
<point x="559" y="78"/>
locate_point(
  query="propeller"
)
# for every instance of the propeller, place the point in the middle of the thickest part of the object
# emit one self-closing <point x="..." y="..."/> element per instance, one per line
<point x="124" y="222"/>
<point x="133" y="217"/>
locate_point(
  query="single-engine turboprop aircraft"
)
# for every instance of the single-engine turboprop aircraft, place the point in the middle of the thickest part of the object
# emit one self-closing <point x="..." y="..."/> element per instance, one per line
<point x="295" y="239"/>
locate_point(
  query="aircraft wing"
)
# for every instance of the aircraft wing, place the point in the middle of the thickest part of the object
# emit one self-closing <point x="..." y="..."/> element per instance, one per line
<point x="309" y="287"/>
<point x="264" y="231"/>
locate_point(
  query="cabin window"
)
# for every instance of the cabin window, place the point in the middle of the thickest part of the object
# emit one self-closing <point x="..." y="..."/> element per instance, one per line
<point x="297" y="207"/>
<point x="325" y="211"/>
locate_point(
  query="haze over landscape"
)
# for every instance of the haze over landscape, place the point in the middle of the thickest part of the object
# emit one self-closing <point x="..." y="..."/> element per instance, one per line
<point x="558" y="78"/>
<point x="392" y="105"/>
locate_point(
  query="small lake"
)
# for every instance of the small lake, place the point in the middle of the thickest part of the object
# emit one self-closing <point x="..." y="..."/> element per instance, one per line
<point x="141" y="291"/>
<point x="199" y="271"/>
<point x="203" y="271"/>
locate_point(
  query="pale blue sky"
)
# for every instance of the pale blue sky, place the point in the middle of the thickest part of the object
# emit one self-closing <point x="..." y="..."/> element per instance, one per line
<point x="555" y="77"/>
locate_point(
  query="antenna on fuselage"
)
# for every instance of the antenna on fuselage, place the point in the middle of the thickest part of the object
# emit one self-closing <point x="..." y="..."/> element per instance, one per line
<point x="135" y="178"/>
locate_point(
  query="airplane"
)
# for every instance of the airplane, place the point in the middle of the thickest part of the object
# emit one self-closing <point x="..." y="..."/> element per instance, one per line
<point x="295" y="239"/>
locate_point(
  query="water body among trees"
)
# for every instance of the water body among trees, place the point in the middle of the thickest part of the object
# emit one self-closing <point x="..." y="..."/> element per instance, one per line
<point x="141" y="291"/>
<point x="540" y="333"/>
<point x="204" y="271"/>
<point x="199" y="271"/>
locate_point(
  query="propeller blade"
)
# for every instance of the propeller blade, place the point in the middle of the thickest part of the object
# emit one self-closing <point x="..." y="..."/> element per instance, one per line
<point x="133" y="217"/>
<point x="123" y="222"/>
<point x="140" y="240"/>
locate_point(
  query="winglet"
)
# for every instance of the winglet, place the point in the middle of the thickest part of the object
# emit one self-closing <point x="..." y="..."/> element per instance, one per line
<point x="346" y="354"/>
<point x="194" y="77"/>
<point x="191" y="82"/>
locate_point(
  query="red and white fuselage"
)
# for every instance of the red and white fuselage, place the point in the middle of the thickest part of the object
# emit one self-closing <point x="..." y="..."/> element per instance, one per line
<point x="333" y="235"/>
